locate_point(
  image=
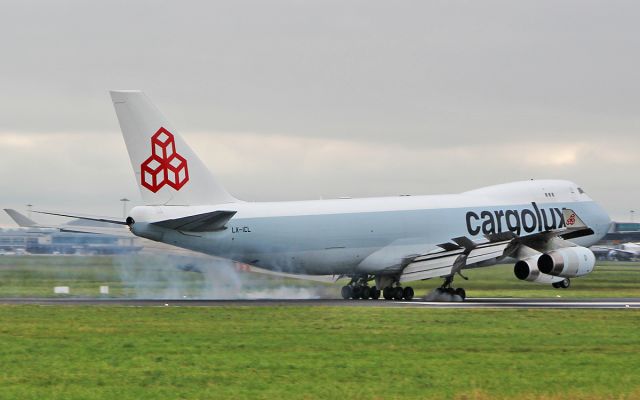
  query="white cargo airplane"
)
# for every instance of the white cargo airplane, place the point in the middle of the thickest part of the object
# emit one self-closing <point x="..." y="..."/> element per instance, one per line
<point x="543" y="225"/>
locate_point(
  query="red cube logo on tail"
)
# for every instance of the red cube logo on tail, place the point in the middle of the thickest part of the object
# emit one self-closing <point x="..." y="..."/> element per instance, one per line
<point x="165" y="166"/>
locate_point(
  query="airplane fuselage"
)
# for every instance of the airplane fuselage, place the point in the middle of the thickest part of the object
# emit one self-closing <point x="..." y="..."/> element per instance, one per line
<point x="347" y="236"/>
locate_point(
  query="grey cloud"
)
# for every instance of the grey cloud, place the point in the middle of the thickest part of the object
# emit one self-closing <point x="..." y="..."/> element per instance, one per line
<point x="430" y="75"/>
<point x="434" y="72"/>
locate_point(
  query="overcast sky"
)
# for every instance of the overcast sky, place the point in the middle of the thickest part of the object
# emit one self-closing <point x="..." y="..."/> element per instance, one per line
<point x="303" y="100"/>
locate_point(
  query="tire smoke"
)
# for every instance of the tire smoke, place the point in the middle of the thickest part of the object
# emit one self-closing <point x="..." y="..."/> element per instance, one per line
<point x="437" y="295"/>
<point x="162" y="276"/>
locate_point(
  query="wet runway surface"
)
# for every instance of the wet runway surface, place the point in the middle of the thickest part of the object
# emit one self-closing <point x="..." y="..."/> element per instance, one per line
<point x="609" y="303"/>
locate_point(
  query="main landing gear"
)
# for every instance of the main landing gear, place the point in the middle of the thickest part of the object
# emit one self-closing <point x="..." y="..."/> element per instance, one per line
<point x="359" y="288"/>
<point x="398" y="293"/>
<point x="360" y="292"/>
<point x="563" y="284"/>
<point x="448" y="289"/>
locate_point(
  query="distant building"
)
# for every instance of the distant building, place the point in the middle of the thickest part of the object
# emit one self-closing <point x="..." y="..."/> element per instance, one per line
<point x="622" y="232"/>
<point x="13" y="241"/>
<point x="41" y="241"/>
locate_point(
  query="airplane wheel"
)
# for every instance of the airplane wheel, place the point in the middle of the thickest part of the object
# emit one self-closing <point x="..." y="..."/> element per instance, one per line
<point x="356" y="292"/>
<point x="365" y="292"/>
<point x="346" y="292"/>
<point x="408" y="293"/>
<point x="564" y="284"/>
<point x="387" y="293"/>
<point x="398" y="293"/>
<point x="460" y="292"/>
<point x="375" y="293"/>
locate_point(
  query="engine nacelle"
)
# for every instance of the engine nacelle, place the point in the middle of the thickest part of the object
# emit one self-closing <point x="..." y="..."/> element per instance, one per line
<point x="527" y="270"/>
<point x="568" y="262"/>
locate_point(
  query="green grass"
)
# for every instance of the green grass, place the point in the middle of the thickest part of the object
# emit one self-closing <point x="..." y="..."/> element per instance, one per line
<point x="35" y="276"/>
<point x="130" y="277"/>
<point x="72" y="352"/>
<point x="306" y="352"/>
<point x="147" y="276"/>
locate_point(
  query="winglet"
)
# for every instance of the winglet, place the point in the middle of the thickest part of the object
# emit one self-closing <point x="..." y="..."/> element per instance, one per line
<point x="571" y="219"/>
<point x="21" y="219"/>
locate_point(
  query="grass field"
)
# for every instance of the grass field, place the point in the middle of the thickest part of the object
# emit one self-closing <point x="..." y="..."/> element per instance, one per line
<point x="300" y="352"/>
<point x="130" y="277"/>
<point x="74" y="352"/>
<point x="144" y="276"/>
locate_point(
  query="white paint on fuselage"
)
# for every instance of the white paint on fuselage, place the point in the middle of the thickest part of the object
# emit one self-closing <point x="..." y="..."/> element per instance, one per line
<point x="509" y="193"/>
<point x="335" y="236"/>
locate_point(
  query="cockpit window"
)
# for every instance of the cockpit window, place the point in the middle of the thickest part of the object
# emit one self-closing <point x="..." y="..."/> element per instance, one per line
<point x="580" y="191"/>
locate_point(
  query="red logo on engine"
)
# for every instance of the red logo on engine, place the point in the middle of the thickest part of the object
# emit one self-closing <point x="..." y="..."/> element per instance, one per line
<point x="165" y="166"/>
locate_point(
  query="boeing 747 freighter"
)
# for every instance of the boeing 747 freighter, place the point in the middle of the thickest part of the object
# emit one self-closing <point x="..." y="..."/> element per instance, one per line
<point x="544" y="226"/>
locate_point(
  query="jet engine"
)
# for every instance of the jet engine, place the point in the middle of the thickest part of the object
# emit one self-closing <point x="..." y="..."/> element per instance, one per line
<point x="568" y="262"/>
<point x="527" y="270"/>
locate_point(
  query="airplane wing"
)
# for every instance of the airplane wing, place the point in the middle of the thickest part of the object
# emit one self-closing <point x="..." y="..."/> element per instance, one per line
<point x="452" y="257"/>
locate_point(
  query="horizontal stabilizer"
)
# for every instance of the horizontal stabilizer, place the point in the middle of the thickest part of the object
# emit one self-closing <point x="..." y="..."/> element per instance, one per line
<point x="26" y="222"/>
<point x="207" y="222"/>
<point x="21" y="219"/>
<point x="118" y="231"/>
<point x="110" y="221"/>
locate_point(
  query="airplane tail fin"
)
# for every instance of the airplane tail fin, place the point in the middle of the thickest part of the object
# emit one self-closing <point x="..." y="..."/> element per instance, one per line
<point x="21" y="219"/>
<point x="168" y="172"/>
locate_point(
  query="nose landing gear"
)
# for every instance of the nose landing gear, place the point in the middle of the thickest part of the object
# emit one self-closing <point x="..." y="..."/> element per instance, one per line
<point x="563" y="284"/>
<point x="446" y="288"/>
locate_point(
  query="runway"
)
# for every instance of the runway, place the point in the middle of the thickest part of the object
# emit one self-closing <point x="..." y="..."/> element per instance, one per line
<point x="470" y="303"/>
